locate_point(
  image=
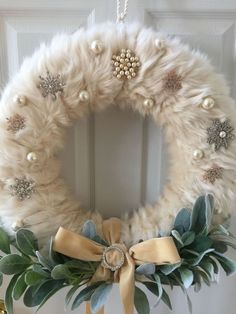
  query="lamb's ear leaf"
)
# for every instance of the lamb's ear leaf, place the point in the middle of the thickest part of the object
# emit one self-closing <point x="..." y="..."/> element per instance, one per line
<point x="186" y="276"/>
<point x="188" y="237"/>
<point x="99" y="297"/>
<point x="165" y="298"/>
<point x="84" y="295"/>
<point x="19" y="287"/>
<point x="198" y="216"/>
<point x="27" y="242"/>
<point x="182" y="221"/>
<point x="14" y="264"/>
<point x="48" y="296"/>
<point x="61" y="272"/>
<point x="146" y="269"/>
<point x="8" y="295"/>
<point x="89" y="230"/>
<point x="226" y="263"/>
<point x="4" y="242"/>
<point x="141" y="302"/>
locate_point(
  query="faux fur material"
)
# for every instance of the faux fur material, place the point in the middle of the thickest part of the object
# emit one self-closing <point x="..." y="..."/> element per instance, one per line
<point x="185" y="123"/>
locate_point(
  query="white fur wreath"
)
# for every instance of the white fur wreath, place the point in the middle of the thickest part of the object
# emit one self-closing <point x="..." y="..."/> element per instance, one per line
<point x="88" y="70"/>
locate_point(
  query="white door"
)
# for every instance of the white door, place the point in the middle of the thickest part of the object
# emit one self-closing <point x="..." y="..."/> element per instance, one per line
<point x="90" y="155"/>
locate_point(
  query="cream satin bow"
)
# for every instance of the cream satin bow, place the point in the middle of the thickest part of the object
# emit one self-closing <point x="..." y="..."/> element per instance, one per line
<point x="117" y="261"/>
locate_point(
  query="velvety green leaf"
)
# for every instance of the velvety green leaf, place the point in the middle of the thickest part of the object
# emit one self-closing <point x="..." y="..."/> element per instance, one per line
<point x="224" y="239"/>
<point x="165" y="298"/>
<point x="146" y="269"/>
<point x="215" y="265"/>
<point x="54" y="257"/>
<point x="38" y="269"/>
<point x="70" y="294"/>
<point x="197" y="281"/>
<point x="1" y="279"/>
<point x="99" y="297"/>
<point x="33" y="278"/>
<point x="44" y="261"/>
<point x="204" y="275"/>
<point x="208" y="268"/>
<point x="159" y="286"/>
<point x="182" y="221"/>
<point x="84" y="295"/>
<point x="61" y="272"/>
<point x="202" y="243"/>
<point x="168" y="269"/>
<point x="8" y="295"/>
<point x="220" y="247"/>
<point x="35" y="295"/>
<point x="20" y="287"/>
<point x="186" y="276"/>
<point x="226" y="263"/>
<point x="141" y="301"/>
<point x="188" y="238"/>
<point x="198" y="220"/>
<point x="14" y="264"/>
<point x="209" y="202"/>
<point x="89" y="229"/>
<point x="195" y="261"/>
<point x="4" y="241"/>
<point x="48" y="296"/>
<point x="177" y="236"/>
<point x="151" y="286"/>
<point x="190" y="307"/>
<point x="27" y="242"/>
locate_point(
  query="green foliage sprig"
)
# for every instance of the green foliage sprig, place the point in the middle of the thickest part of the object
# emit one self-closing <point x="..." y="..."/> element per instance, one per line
<point x="37" y="276"/>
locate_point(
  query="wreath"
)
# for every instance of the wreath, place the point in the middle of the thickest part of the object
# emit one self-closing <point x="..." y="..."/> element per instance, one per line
<point x="159" y="244"/>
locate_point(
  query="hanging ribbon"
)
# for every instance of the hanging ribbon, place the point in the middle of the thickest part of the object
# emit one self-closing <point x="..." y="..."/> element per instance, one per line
<point x="117" y="261"/>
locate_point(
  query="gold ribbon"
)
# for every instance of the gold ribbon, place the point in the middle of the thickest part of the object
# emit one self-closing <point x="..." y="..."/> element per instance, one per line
<point x="159" y="251"/>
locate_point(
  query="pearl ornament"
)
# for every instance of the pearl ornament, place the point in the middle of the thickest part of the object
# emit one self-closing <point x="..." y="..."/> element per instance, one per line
<point x="32" y="157"/>
<point x="84" y="96"/>
<point x="20" y="100"/>
<point x="208" y="103"/>
<point x="96" y="46"/>
<point x="198" y="154"/>
<point x="16" y="225"/>
<point x="159" y="43"/>
<point x="222" y="134"/>
<point x="148" y="103"/>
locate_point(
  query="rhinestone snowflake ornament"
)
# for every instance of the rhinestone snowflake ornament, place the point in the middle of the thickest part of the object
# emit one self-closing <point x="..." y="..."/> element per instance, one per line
<point x="220" y="134"/>
<point x="15" y="123"/>
<point x="125" y="65"/>
<point x="51" y="85"/>
<point x="22" y="189"/>
<point x="172" y="82"/>
<point x="213" y="174"/>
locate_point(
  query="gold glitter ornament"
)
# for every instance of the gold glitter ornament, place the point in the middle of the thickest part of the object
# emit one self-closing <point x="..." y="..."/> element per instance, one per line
<point x="51" y="85"/>
<point x="15" y="123"/>
<point x="172" y="82"/>
<point x="125" y="65"/>
<point x="213" y="174"/>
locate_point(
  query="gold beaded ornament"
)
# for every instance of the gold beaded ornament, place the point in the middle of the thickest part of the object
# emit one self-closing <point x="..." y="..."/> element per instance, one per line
<point x="125" y="64"/>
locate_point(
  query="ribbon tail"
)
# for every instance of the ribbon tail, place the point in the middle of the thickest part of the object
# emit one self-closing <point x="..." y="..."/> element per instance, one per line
<point x="127" y="284"/>
<point x="88" y="309"/>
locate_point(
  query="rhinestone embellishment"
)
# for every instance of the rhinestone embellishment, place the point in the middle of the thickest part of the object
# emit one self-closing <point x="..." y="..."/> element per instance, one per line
<point x="15" y="123"/>
<point x="22" y="189"/>
<point x="213" y="174"/>
<point x="220" y="134"/>
<point x="51" y="85"/>
<point x="125" y="65"/>
<point x="115" y="248"/>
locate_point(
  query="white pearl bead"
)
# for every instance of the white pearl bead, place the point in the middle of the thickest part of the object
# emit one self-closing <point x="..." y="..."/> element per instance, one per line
<point x="208" y="103"/>
<point x="198" y="154"/>
<point x="222" y="134"/>
<point x="84" y="96"/>
<point x="32" y="157"/>
<point x="148" y="103"/>
<point x="97" y="46"/>
<point x="20" y="100"/>
<point x="159" y="43"/>
<point x="17" y="225"/>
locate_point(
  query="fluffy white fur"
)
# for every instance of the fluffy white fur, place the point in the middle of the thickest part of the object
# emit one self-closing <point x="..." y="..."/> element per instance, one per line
<point x="184" y="121"/>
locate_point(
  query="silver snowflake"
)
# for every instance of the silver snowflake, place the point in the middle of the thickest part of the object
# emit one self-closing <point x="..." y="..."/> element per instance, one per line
<point x="51" y="85"/>
<point x="220" y="134"/>
<point x="22" y="189"/>
<point x="213" y="174"/>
